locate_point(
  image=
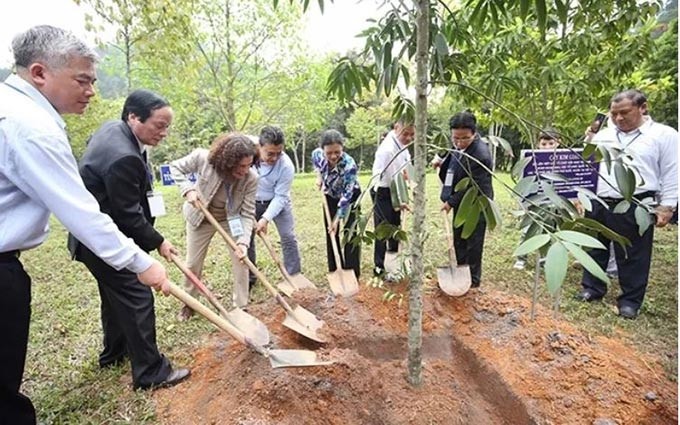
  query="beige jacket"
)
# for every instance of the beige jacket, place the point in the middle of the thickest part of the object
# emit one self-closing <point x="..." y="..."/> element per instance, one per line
<point x="208" y="183"/>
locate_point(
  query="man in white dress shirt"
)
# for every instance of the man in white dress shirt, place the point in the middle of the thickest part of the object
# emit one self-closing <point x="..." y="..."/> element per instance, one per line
<point x="391" y="159"/>
<point x="654" y="149"/>
<point x="55" y="73"/>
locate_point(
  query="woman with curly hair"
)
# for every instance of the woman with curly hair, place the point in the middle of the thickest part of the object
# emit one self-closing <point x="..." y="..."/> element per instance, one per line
<point x="226" y="185"/>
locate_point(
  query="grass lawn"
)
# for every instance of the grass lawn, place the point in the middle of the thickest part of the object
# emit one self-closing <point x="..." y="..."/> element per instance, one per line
<point x="64" y="381"/>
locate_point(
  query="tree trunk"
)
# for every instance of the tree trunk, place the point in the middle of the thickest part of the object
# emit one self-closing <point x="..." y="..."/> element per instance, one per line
<point x="415" y="303"/>
<point x="229" y="95"/>
<point x="304" y="150"/>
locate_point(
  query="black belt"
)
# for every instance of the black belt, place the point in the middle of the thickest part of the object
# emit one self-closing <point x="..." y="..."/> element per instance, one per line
<point x="9" y="256"/>
<point x="263" y="202"/>
<point x="639" y="197"/>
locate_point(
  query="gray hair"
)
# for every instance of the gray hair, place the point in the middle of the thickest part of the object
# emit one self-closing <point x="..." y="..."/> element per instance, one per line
<point x="49" y="45"/>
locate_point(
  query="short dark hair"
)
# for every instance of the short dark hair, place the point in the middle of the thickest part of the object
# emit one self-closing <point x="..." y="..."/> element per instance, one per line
<point x="142" y="103"/>
<point x="463" y="120"/>
<point x="331" y="137"/>
<point x="636" y="96"/>
<point x="271" y="135"/>
<point x="549" y="134"/>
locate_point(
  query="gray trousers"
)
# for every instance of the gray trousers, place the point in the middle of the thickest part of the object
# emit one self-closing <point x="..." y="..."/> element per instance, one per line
<point x="285" y="224"/>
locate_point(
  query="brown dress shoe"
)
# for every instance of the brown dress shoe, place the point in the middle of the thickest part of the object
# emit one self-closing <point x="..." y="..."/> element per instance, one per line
<point x="185" y="314"/>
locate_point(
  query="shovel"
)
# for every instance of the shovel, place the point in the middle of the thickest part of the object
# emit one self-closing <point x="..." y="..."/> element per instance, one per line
<point x="298" y="319"/>
<point x="454" y="280"/>
<point x="291" y="283"/>
<point x="342" y="281"/>
<point x="277" y="358"/>
<point x="244" y="322"/>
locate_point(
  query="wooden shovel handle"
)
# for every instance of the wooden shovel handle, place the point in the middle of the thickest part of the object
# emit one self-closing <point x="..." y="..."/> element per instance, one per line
<point x="274" y="255"/>
<point x="334" y="244"/>
<point x="449" y="239"/>
<point x="232" y="244"/>
<point x="199" y="285"/>
<point x="216" y="320"/>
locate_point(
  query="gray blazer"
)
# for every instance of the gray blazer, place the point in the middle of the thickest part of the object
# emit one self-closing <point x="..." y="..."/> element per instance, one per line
<point x="208" y="183"/>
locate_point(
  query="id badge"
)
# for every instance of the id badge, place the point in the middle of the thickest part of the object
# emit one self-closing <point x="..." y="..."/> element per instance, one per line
<point x="156" y="204"/>
<point x="449" y="179"/>
<point x="235" y="226"/>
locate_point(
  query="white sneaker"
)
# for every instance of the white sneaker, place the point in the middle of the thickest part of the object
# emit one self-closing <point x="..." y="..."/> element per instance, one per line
<point x="519" y="265"/>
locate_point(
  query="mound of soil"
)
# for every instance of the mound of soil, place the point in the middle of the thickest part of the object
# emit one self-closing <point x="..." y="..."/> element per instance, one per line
<point x="485" y="363"/>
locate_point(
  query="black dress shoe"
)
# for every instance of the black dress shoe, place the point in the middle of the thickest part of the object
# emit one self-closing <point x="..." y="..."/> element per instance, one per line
<point x="174" y="378"/>
<point x="587" y="295"/>
<point x="628" y="312"/>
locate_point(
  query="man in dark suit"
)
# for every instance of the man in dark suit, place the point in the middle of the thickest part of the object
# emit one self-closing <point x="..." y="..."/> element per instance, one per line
<point x="114" y="169"/>
<point x="464" y="161"/>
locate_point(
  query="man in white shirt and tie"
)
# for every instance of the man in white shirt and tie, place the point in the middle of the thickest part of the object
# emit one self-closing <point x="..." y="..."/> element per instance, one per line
<point x="391" y="159"/>
<point x="654" y="151"/>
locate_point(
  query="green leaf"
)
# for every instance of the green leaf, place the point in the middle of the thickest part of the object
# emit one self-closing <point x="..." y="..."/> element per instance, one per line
<point x="518" y="168"/>
<point x="623" y="182"/>
<point x="541" y="15"/>
<point x="579" y="238"/>
<point x="587" y="261"/>
<point x="462" y="184"/>
<point x="588" y="150"/>
<point x="621" y="207"/>
<point x="531" y="245"/>
<point x="554" y="177"/>
<point x="526" y="186"/>
<point x="643" y="219"/>
<point x="585" y="201"/>
<point x="556" y="263"/>
<point x="441" y="45"/>
<point x="465" y="207"/>
<point x="471" y="221"/>
<point x="523" y="8"/>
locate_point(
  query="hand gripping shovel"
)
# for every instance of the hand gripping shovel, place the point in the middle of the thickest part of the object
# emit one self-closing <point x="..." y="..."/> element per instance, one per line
<point x="291" y="283"/>
<point x="277" y="358"/>
<point x="298" y="319"/>
<point x="454" y="280"/>
<point x="342" y="281"/>
<point x="244" y="322"/>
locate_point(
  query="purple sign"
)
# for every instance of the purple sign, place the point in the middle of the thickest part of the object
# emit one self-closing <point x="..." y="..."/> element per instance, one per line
<point x="569" y="164"/>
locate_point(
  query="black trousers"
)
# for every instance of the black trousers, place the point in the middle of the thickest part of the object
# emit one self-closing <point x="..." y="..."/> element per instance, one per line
<point x="15" y="316"/>
<point x="128" y="321"/>
<point x="633" y="263"/>
<point x="384" y="212"/>
<point x="351" y="252"/>
<point x="470" y="251"/>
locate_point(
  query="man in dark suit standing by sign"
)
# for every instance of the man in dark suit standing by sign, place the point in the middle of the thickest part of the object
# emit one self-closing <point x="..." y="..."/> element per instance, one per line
<point x="114" y="169"/>
<point x="464" y="161"/>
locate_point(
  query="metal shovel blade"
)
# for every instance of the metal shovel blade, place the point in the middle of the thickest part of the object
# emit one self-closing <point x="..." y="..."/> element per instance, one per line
<point x="343" y="282"/>
<point x="294" y="282"/>
<point x="294" y="358"/>
<point x="454" y="281"/>
<point x="250" y="326"/>
<point x="304" y="323"/>
<point x="392" y="262"/>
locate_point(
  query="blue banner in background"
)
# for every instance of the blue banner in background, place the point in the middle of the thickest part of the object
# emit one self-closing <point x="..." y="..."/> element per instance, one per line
<point x="166" y="176"/>
<point x="569" y="164"/>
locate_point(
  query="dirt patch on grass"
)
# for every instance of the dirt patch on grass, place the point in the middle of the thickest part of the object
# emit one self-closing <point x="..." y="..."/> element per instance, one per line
<point x="484" y="363"/>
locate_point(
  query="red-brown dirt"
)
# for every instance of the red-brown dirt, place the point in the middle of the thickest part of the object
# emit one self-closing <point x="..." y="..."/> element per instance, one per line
<point x="485" y="363"/>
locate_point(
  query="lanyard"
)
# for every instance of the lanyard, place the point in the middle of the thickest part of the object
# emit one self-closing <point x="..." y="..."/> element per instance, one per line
<point x="227" y="190"/>
<point x="629" y="143"/>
